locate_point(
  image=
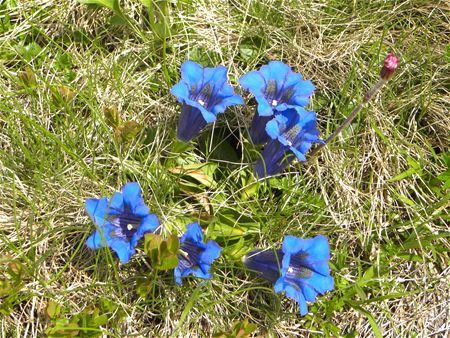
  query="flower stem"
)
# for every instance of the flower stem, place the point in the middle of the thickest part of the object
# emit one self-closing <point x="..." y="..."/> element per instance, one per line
<point x="391" y="63"/>
<point x="351" y="117"/>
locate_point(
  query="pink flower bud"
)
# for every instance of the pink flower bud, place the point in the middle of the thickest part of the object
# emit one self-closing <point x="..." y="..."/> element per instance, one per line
<point x="391" y="63"/>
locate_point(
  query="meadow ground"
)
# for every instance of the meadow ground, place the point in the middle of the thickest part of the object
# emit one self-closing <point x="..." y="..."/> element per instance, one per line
<point x="380" y="192"/>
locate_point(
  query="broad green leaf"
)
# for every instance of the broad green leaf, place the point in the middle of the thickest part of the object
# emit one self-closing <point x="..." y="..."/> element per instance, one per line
<point x="119" y="20"/>
<point x="201" y="172"/>
<point x="168" y="262"/>
<point x="218" y="229"/>
<point x="143" y="287"/>
<point x="163" y="254"/>
<point x="129" y="130"/>
<point x="241" y="329"/>
<point x="53" y="309"/>
<point x="151" y="242"/>
<point x="28" y="77"/>
<point x="173" y="244"/>
<point x="100" y="320"/>
<point x="112" y="117"/>
<point x="63" y="329"/>
<point x="237" y="250"/>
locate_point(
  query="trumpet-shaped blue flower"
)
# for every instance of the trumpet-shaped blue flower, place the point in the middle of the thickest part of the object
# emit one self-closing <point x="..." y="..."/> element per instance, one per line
<point x="276" y="88"/>
<point x="204" y="93"/>
<point x="195" y="257"/>
<point x="300" y="269"/>
<point x="291" y="132"/>
<point x="121" y="221"/>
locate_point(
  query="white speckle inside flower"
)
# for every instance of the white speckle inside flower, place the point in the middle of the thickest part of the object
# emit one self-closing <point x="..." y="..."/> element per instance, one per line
<point x="201" y="102"/>
<point x="274" y="103"/>
<point x="290" y="270"/>
<point x="130" y="227"/>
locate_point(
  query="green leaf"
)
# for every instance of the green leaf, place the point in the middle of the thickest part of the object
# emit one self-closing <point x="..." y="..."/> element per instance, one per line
<point x="111" y="4"/>
<point x="100" y="320"/>
<point x="63" y="329"/>
<point x="218" y="229"/>
<point x="112" y="117"/>
<point x="28" y="78"/>
<point x="173" y="244"/>
<point x="162" y="254"/>
<point x="143" y="287"/>
<point x="240" y="329"/>
<point x="53" y="309"/>
<point x="129" y="130"/>
<point x="168" y="262"/>
<point x="119" y="20"/>
<point x="237" y="250"/>
<point x="201" y="172"/>
<point x="5" y="288"/>
<point x="151" y="246"/>
<point x="179" y="147"/>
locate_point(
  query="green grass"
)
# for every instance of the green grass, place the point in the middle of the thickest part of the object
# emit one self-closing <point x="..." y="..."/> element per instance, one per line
<point x="380" y="192"/>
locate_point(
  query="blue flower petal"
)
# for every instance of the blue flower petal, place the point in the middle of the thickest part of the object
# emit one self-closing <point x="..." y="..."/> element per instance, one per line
<point x="217" y="76"/>
<point x="254" y="82"/>
<point x="279" y="285"/>
<point x="226" y="102"/>
<point x="197" y="272"/>
<point x="308" y="120"/>
<point x="225" y="92"/>
<point x="319" y="283"/>
<point x="272" y="129"/>
<point x="177" y="275"/>
<point x="302" y="91"/>
<point x="122" y="248"/>
<point x="94" y="241"/>
<point x="193" y="233"/>
<point x="292" y="244"/>
<point x="132" y="195"/>
<point x="148" y="224"/>
<point x="264" y="108"/>
<point x="207" y="115"/>
<point x="211" y="253"/>
<point x="301" y="157"/>
<point x="276" y="70"/>
<point x="319" y="248"/>
<point x="295" y="79"/>
<point x="192" y="73"/>
<point x="116" y="205"/>
<point x="180" y="91"/>
<point x="97" y="209"/>
<point x="309" y="292"/>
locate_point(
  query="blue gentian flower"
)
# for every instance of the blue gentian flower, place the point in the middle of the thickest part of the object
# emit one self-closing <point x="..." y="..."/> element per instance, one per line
<point x="204" y="93"/>
<point x="195" y="257"/>
<point x="276" y="88"/>
<point x="300" y="269"/>
<point x="121" y="222"/>
<point x="291" y="132"/>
